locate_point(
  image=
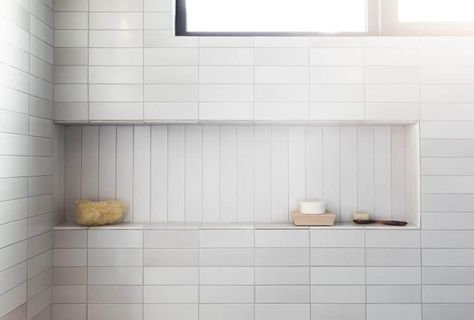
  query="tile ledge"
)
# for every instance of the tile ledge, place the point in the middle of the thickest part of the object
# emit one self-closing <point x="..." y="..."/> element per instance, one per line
<point x="228" y="226"/>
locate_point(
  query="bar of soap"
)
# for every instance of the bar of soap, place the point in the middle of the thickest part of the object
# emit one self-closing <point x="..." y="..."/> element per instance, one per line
<point x="100" y="213"/>
<point x="360" y="216"/>
<point x="313" y="207"/>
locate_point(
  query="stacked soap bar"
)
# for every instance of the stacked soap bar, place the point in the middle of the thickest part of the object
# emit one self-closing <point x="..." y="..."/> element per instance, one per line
<point x="312" y="207"/>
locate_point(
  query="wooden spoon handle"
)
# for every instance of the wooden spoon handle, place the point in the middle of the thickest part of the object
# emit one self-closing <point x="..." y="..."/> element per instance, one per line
<point x="392" y="222"/>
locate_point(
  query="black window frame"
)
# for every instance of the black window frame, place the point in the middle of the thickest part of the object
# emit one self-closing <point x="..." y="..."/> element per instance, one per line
<point x="382" y="20"/>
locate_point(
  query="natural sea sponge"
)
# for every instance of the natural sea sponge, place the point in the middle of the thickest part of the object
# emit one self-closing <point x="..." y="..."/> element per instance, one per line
<point x="89" y="213"/>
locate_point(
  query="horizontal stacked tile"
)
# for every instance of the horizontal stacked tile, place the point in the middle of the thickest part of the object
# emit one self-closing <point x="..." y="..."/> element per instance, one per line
<point x="241" y="271"/>
<point x="226" y="273"/>
<point x="114" y="274"/>
<point x="282" y="274"/>
<point x="70" y="274"/>
<point x="26" y="159"/>
<point x="393" y="274"/>
<point x="338" y="274"/>
<point x="171" y="273"/>
<point x="446" y="133"/>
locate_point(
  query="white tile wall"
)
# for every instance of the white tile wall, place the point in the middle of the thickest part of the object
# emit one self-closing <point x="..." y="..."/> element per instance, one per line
<point x="114" y="49"/>
<point x="28" y="140"/>
<point x="242" y="271"/>
<point x="157" y="77"/>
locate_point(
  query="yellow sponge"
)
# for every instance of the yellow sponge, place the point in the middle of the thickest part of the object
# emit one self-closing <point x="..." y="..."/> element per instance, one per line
<point x="99" y="213"/>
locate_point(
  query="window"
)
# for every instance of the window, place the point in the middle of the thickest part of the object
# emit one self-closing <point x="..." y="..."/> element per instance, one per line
<point x="427" y="17"/>
<point x="324" y="17"/>
<point x="271" y="17"/>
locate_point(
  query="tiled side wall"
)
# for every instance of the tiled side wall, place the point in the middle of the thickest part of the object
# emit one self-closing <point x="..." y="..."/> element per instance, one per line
<point x="26" y="159"/>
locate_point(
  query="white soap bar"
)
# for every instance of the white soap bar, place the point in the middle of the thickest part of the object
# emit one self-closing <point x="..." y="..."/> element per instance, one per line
<point x="313" y="207"/>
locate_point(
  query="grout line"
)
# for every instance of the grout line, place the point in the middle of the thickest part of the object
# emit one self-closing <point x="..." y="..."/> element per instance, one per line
<point x="150" y="174"/>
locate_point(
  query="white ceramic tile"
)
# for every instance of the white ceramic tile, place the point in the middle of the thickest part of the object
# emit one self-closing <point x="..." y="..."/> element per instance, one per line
<point x="114" y="294"/>
<point x="115" y="257"/>
<point x="338" y="275"/>
<point x="336" y="56"/>
<point x="225" y="238"/>
<point x="394" y="311"/>
<point x="393" y="257"/>
<point x="115" y="238"/>
<point x="227" y="311"/>
<point x="338" y="311"/>
<point x="393" y="239"/>
<point x="337" y="238"/>
<point x="114" y="275"/>
<point x="226" y="294"/>
<point x="282" y="294"/>
<point x="170" y="276"/>
<point x="447" y="275"/>
<point x="176" y="173"/>
<point x="226" y="276"/>
<point x="337" y="294"/>
<point x="170" y="294"/>
<point x="171" y="311"/>
<point x="114" y="311"/>
<point x="337" y="257"/>
<point x="170" y="257"/>
<point x="281" y="238"/>
<point x="393" y="294"/>
<point x="282" y="311"/>
<point x="170" y="239"/>
<point x="69" y="257"/>
<point x="141" y="174"/>
<point x="448" y="257"/>
<point x="398" y="275"/>
<point x="281" y="257"/>
<point x="281" y="275"/>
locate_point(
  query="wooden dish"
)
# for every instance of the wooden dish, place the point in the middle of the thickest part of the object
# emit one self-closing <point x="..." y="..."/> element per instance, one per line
<point x="300" y="219"/>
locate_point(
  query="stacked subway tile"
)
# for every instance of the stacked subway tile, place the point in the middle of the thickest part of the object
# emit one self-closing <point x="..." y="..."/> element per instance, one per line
<point x="26" y="149"/>
<point x="238" y="271"/>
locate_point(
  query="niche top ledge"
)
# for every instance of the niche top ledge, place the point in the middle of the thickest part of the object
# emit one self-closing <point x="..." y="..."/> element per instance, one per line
<point x="337" y="122"/>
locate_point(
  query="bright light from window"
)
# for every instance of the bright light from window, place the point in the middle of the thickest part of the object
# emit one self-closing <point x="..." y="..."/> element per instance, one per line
<point x="276" y="16"/>
<point x="436" y="10"/>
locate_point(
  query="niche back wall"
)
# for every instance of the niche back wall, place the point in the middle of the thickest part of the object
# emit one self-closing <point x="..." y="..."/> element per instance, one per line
<point x="231" y="173"/>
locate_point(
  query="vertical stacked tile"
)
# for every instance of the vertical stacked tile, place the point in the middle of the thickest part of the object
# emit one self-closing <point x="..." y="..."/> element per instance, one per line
<point x="447" y="195"/>
<point x="282" y="274"/>
<point x="226" y="78"/>
<point x="393" y="274"/>
<point x="71" y="60"/>
<point x="392" y="78"/>
<point x="226" y="273"/>
<point x="116" y="60"/>
<point x="171" y="273"/>
<point x="338" y="274"/>
<point x="336" y="78"/>
<point x="14" y="89"/>
<point x="281" y="79"/>
<point x="115" y="274"/>
<point x="69" y="273"/>
<point x="170" y="72"/>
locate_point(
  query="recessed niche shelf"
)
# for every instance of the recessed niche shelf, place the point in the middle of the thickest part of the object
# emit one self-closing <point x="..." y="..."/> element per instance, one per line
<point x="246" y="172"/>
